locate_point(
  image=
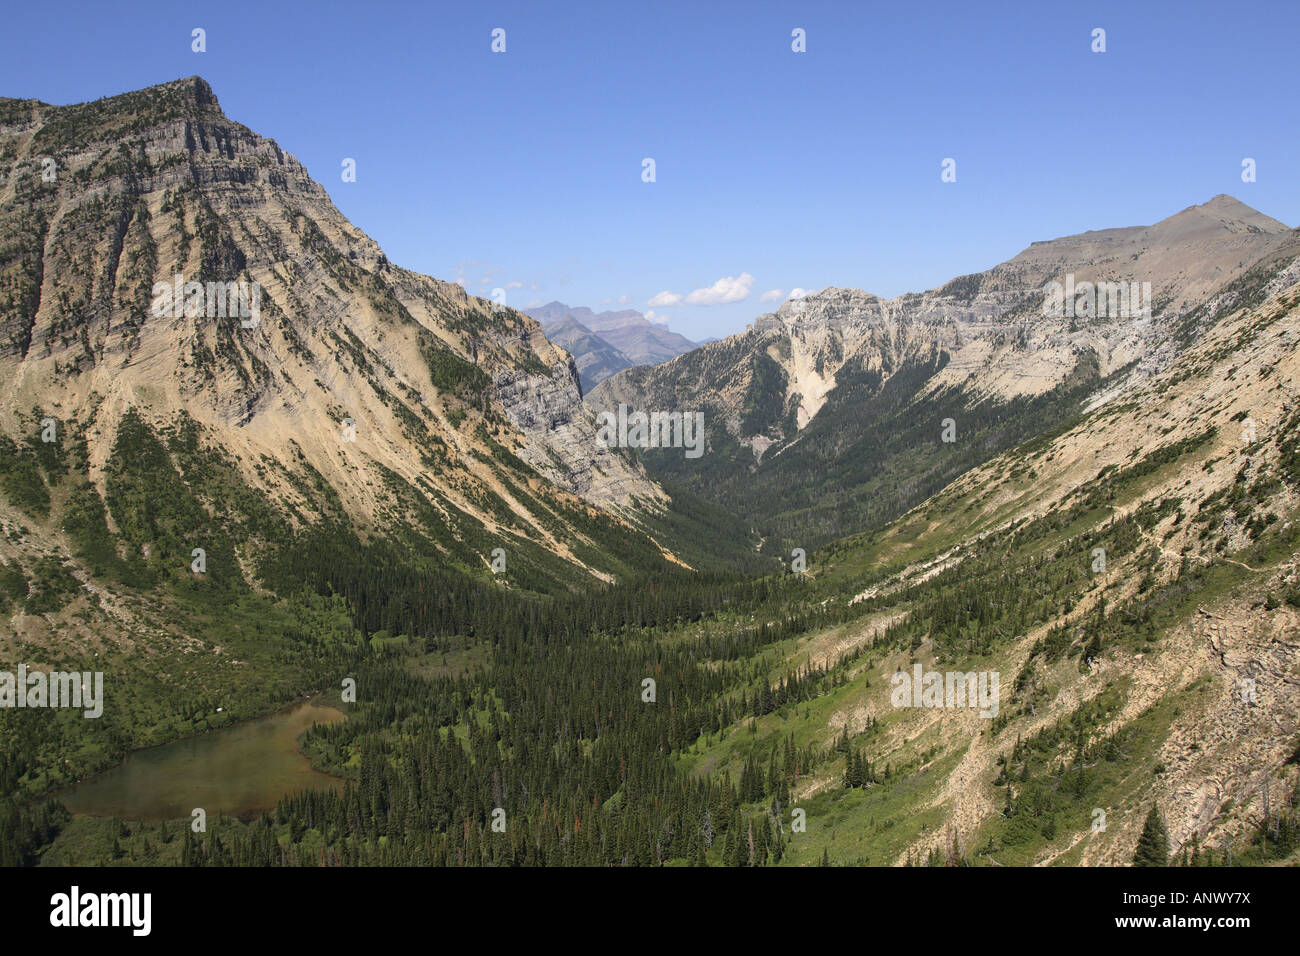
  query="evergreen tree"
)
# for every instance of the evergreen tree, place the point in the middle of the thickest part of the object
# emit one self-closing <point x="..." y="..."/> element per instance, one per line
<point x="1153" y="845"/>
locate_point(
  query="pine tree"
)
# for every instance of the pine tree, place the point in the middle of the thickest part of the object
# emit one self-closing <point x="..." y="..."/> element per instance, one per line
<point x="1153" y="845"/>
<point x="736" y="842"/>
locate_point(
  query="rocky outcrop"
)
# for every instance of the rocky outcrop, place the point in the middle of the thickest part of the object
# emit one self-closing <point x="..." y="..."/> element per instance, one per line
<point x="560" y="438"/>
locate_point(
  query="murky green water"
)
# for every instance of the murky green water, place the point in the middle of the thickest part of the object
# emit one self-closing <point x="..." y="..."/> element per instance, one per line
<point x="238" y="771"/>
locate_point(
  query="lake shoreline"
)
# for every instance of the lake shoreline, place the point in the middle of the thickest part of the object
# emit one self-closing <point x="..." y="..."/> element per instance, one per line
<point x="240" y="770"/>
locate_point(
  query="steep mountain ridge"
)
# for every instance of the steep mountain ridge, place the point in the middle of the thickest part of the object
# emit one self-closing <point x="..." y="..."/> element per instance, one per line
<point x="1160" y="537"/>
<point x="986" y="350"/>
<point x="356" y="367"/>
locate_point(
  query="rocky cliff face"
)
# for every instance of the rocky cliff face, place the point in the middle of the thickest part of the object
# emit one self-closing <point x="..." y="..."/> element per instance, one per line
<point x="559" y="441"/>
<point x="596" y="359"/>
<point x="351" y="366"/>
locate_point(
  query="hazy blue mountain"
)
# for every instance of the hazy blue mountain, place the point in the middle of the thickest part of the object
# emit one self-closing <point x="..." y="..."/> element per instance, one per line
<point x="603" y="343"/>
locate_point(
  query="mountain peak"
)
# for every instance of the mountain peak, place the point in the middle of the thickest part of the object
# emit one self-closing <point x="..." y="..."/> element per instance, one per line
<point x="112" y="117"/>
<point x="194" y="88"/>
<point x="189" y="96"/>
<point x="1228" y="211"/>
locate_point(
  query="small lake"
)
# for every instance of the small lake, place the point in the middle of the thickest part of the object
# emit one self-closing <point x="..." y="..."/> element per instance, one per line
<point x="237" y="770"/>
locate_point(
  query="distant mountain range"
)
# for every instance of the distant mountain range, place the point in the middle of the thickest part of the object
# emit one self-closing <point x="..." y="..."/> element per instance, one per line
<point x="807" y="408"/>
<point x="603" y="343"/>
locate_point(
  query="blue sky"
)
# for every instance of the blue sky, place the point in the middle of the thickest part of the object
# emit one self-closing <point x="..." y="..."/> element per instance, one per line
<point x="796" y="170"/>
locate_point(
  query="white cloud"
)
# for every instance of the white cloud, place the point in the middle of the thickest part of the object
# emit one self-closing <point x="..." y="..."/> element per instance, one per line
<point x="725" y="290"/>
<point x="667" y="298"/>
<point x="798" y="293"/>
<point x="514" y="285"/>
<point x="772" y="295"/>
<point x="656" y="318"/>
<point x="624" y="299"/>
